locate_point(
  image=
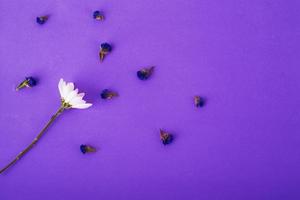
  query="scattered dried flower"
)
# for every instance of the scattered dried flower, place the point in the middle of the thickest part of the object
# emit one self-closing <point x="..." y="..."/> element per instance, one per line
<point x="165" y="137"/>
<point x="28" y="82"/>
<point x="199" y="101"/>
<point x="87" y="149"/>
<point x="42" y="19"/>
<point x="108" y="94"/>
<point x="145" y="73"/>
<point x="98" y="15"/>
<point x="105" y="49"/>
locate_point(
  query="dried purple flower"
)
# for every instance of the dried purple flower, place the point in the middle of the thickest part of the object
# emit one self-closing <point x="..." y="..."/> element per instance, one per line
<point x="108" y="94"/>
<point x="98" y="15"/>
<point x="28" y="82"/>
<point x="166" y="137"/>
<point x="105" y="49"/>
<point x="87" y="149"/>
<point x="42" y="19"/>
<point x="199" y="101"/>
<point x="145" y="73"/>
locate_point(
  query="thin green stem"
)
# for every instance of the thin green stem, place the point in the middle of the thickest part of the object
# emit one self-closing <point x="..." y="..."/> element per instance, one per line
<point x="29" y="147"/>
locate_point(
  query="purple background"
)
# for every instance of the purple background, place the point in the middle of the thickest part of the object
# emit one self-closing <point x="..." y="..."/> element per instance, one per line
<point x="242" y="55"/>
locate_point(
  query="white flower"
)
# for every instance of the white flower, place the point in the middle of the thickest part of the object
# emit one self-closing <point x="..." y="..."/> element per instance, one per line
<point x="70" y="96"/>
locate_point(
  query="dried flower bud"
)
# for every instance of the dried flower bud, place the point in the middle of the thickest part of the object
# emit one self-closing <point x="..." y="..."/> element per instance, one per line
<point x="199" y="101"/>
<point x="28" y="82"/>
<point x="42" y="19"/>
<point x="108" y="94"/>
<point x="165" y="137"/>
<point x="98" y="15"/>
<point x="105" y="49"/>
<point x="87" y="149"/>
<point x="145" y="73"/>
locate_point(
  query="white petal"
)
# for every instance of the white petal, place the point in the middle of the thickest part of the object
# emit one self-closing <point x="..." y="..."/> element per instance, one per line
<point x="60" y="86"/>
<point x="67" y="89"/>
<point x="77" y="100"/>
<point x="71" y="95"/>
<point x="63" y="87"/>
<point x="82" y="106"/>
<point x="81" y="95"/>
<point x="64" y="90"/>
<point x="70" y="87"/>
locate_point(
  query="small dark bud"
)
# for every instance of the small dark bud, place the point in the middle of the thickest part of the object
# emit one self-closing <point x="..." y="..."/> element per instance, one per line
<point x="87" y="149"/>
<point x="199" y="101"/>
<point x="98" y="15"/>
<point x="105" y="49"/>
<point x="42" y="19"/>
<point x="28" y="82"/>
<point x="108" y="94"/>
<point x="165" y="137"/>
<point x="145" y="73"/>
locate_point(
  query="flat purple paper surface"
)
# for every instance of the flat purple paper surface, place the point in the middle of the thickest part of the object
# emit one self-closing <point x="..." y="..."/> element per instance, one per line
<point x="242" y="56"/>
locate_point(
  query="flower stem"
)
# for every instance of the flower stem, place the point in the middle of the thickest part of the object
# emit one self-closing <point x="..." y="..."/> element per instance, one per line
<point x="29" y="147"/>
